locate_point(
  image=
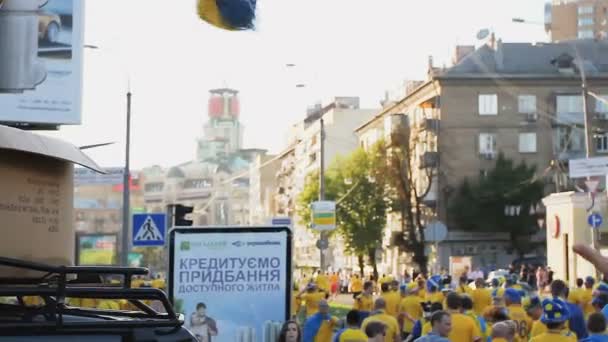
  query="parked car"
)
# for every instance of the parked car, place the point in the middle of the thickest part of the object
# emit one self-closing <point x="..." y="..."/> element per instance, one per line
<point x="49" y="27"/>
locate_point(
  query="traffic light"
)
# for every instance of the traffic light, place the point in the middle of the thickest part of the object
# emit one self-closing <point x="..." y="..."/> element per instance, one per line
<point x="179" y="216"/>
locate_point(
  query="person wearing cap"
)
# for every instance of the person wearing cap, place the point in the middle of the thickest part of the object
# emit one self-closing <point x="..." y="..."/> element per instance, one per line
<point x="393" y="333"/>
<point x="464" y="328"/>
<point x="559" y="290"/>
<point x="555" y="315"/>
<point x="311" y="296"/>
<point x="596" y="325"/>
<point x="587" y="296"/>
<point x="364" y="303"/>
<point x="319" y="327"/>
<point x="517" y="314"/>
<point x="391" y="297"/>
<point x="410" y="310"/>
<point x="534" y="310"/>
<point x="482" y="298"/>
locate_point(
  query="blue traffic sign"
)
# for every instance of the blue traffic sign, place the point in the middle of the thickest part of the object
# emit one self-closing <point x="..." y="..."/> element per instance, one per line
<point x="149" y="229"/>
<point x="595" y="220"/>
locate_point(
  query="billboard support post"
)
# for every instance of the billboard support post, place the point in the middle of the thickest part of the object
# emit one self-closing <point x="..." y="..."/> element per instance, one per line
<point x="126" y="198"/>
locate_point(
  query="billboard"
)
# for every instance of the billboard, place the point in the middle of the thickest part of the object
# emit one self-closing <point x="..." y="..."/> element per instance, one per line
<point x="231" y="284"/>
<point x="41" y="43"/>
<point x="96" y="249"/>
<point x="84" y="176"/>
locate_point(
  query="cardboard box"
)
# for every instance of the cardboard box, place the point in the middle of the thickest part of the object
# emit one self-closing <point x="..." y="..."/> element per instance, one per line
<point x="36" y="198"/>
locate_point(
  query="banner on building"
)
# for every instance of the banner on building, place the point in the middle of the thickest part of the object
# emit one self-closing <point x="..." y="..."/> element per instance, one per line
<point x="96" y="249"/>
<point x="231" y="284"/>
<point x="41" y="47"/>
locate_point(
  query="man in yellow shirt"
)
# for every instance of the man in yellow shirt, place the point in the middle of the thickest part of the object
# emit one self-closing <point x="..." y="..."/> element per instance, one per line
<point x="464" y="328"/>
<point x="320" y="326"/>
<point x="392" y="298"/>
<point x="433" y="290"/>
<point x="364" y="303"/>
<point x="322" y="282"/>
<point x="410" y="309"/>
<point x="586" y="296"/>
<point x="351" y="333"/>
<point x="574" y="295"/>
<point x="555" y="315"/>
<point x="356" y="285"/>
<point x="482" y="298"/>
<point x="379" y="315"/>
<point x="312" y="298"/>
<point x="463" y="286"/>
<point x="518" y="314"/>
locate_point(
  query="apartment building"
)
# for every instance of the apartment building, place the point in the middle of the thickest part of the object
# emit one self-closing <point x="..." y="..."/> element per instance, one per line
<point x="576" y="19"/>
<point x="521" y="99"/>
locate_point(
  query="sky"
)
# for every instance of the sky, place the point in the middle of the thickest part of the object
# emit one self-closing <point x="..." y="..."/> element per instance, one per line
<point x="169" y="59"/>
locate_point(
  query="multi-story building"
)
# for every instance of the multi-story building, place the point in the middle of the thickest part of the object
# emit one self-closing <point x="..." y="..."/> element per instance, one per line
<point x="576" y="19"/>
<point x="262" y="187"/>
<point x="285" y="195"/>
<point x="340" y="119"/>
<point x="216" y="183"/>
<point x="521" y="99"/>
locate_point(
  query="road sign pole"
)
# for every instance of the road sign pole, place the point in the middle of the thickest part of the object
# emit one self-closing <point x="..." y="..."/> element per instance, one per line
<point x="126" y="191"/>
<point x="323" y="235"/>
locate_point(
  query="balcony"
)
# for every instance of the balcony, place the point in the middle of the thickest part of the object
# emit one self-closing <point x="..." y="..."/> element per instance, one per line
<point x="429" y="160"/>
<point x="430" y="200"/>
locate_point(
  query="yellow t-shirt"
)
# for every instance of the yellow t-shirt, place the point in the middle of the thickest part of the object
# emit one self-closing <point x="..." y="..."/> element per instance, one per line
<point x="158" y="283"/>
<point x="426" y="328"/>
<point x="586" y="296"/>
<point x="312" y="300"/>
<point x="322" y="282"/>
<point x="385" y="280"/>
<point x="356" y="285"/>
<point x="326" y="330"/>
<point x="411" y="306"/>
<point x="554" y="337"/>
<point x="32" y="301"/>
<point x="435" y="297"/>
<point x="481" y="300"/>
<point x="524" y="322"/>
<point x="364" y="303"/>
<point x="574" y="296"/>
<point x="392" y="300"/>
<point x="392" y="326"/>
<point x="539" y="328"/>
<point x="108" y="304"/>
<point x="422" y="294"/>
<point x="135" y="283"/>
<point x="464" y="328"/>
<point x="353" y="335"/>
<point x="295" y="304"/>
<point x="463" y="289"/>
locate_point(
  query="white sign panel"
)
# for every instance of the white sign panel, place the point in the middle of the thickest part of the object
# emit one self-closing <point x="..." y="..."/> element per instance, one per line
<point x="323" y="215"/>
<point x="41" y="61"/>
<point x="588" y="167"/>
<point x="231" y="284"/>
<point x="84" y="176"/>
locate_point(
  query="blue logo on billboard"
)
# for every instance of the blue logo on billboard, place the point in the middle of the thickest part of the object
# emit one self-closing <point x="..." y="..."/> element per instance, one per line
<point x="256" y="243"/>
<point x="238" y="243"/>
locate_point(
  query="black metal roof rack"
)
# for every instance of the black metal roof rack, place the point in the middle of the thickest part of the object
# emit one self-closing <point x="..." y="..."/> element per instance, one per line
<point x="54" y="288"/>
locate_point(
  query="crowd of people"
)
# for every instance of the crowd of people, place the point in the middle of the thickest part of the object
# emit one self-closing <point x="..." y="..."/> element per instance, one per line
<point x="521" y="306"/>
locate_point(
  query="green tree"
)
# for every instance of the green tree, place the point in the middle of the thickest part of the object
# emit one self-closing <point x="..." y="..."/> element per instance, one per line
<point x="500" y="201"/>
<point x="356" y="184"/>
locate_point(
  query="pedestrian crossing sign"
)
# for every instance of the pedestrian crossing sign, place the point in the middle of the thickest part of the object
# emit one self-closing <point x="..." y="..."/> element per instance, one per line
<point x="149" y="230"/>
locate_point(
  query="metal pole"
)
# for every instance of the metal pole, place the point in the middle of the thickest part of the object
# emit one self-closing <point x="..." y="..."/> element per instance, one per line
<point x="323" y="236"/>
<point x="126" y="193"/>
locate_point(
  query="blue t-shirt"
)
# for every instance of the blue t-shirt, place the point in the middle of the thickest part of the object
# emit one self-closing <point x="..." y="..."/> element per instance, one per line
<point x="431" y="337"/>
<point x="596" y="338"/>
<point x="417" y="329"/>
<point x="577" y="321"/>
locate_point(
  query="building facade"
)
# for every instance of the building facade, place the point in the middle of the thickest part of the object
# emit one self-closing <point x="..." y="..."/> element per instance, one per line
<point x="576" y="19"/>
<point x="216" y="183"/>
<point x="521" y="100"/>
<point x="262" y="188"/>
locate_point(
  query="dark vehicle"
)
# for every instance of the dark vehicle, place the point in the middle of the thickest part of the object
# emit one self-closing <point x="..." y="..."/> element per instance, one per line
<point x="54" y="320"/>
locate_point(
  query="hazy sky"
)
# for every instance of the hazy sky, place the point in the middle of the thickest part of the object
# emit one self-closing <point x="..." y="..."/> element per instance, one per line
<point x="341" y="48"/>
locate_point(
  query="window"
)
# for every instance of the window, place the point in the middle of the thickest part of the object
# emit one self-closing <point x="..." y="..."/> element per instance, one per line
<point x="601" y="107"/>
<point x="488" y="104"/>
<point x="601" y="143"/>
<point x="569" y="109"/>
<point x="154" y="187"/>
<point x="487" y="143"/>
<point x="585" y="34"/>
<point x="527" y="104"/>
<point x="585" y="21"/>
<point x="570" y="139"/>
<point x="527" y="142"/>
<point x="585" y="10"/>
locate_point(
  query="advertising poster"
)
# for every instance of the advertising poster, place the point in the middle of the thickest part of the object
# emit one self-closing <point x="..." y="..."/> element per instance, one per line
<point x="231" y="284"/>
<point x="96" y="249"/>
<point x="41" y="47"/>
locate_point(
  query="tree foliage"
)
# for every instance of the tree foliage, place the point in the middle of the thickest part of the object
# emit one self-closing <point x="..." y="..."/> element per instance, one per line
<point x="355" y="182"/>
<point x="484" y="205"/>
